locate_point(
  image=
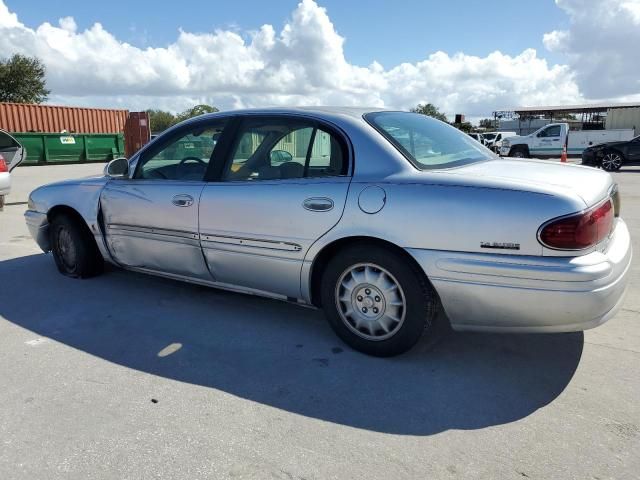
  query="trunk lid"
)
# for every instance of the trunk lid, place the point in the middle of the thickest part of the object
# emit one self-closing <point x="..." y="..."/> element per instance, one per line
<point x="590" y="184"/>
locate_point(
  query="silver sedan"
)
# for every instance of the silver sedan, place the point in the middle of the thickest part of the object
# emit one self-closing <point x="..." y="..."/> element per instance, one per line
<point x="383" y="219"/>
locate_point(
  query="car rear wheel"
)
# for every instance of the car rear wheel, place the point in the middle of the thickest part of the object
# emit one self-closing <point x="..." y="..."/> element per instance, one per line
<point x="611" y="161"/>
<point x="74" y="249"/>
<point x="376" y="301"/>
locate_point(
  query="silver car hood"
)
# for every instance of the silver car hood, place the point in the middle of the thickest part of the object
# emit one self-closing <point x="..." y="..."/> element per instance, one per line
<point x="97" y="180"/>
<point x="590" y="184"/>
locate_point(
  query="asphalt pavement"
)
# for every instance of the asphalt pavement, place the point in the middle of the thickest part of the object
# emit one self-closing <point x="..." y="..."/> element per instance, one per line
<point x="127" y="376"/>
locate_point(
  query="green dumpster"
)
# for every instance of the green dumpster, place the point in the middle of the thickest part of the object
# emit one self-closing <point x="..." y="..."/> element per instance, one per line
<point x="58" y="148"/>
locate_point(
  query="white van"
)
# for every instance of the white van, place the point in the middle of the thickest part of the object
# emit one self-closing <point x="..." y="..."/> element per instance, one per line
<point x="494" y="139"/>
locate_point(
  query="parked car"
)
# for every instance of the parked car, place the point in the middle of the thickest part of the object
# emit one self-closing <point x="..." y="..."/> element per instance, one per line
<point x="611" y="156"/>
<point x="11" y="154"/>
<point x="548" y="141"/>
<point x="477" y="137"/>
<point x="493" y="140"/>
<point x="381" y="218"/>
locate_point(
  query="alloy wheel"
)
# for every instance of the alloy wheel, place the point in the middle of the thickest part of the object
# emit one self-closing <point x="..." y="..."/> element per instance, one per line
<point x="611" y="162"/>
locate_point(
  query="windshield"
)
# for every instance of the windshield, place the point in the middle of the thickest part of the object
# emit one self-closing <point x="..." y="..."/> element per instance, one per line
<point x="426" y="142"/>
<point x="489" y="136"/>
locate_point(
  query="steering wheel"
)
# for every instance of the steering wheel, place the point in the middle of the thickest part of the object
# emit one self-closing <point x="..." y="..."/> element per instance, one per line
<point x="181" y="165"/>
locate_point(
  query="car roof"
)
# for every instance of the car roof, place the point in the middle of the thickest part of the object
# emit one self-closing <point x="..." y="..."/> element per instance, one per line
<point x="351" y="111"/>
<point x="319" y="111"/>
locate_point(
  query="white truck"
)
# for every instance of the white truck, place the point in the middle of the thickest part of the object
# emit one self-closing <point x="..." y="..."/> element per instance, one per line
<point x="547" y="141"/>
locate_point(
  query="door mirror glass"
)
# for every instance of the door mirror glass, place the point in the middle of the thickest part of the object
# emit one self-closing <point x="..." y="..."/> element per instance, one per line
<point x="117" y="168"/>
<point x="278" y="157"/>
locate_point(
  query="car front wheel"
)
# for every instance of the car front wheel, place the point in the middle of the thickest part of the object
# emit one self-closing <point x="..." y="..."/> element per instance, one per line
<point x="74" y="249"/>
<point x="376" y="300"/>
<point x="518" y="153"/>
<point x="611" y="161"/>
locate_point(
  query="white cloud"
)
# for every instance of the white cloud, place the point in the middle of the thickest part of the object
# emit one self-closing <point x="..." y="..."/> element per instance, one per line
<point x="601" y="46"/>
<point x="302" y="63"/>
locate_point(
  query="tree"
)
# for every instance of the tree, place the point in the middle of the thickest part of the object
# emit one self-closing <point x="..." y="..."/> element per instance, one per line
<point x="487" y="123"/>
<point x="161" y="120"/>
<point x="466" y="127"/>
<point x="22" y="80"/>
<point x="195" y="111"/>
<point x="430" y="110"/>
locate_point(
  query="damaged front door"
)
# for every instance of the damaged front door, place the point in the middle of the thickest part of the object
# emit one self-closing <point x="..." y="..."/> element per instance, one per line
<point x="151" y="217"/>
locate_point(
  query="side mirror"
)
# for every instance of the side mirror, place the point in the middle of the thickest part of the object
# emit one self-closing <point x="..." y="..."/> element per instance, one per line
<point x="117" y="168"/>
<point x="279" y="157"/>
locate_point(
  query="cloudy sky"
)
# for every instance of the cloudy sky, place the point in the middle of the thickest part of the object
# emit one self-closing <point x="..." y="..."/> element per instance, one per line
<point x="464" y="58"/>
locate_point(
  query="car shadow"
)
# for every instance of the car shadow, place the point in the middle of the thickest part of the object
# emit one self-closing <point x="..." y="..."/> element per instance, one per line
<point x="286" y="356"/>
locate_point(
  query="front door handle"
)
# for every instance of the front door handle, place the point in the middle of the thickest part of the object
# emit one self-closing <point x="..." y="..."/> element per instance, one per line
<point x="182" y="200"/>
<point x="318" y="204"/>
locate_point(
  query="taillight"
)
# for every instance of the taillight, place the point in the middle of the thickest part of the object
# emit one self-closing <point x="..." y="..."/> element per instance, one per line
<point x="3" y="165"/>
<point x="579" y="231"/>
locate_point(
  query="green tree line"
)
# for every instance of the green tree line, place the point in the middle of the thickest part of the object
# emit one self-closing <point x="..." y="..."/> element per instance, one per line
<point x="160" y="120"/>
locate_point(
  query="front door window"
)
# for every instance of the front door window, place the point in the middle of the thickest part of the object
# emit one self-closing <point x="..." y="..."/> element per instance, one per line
<point x="185" y="156"/>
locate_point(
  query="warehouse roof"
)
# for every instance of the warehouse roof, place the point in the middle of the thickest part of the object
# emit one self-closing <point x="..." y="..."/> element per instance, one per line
<point x="585" y="108"/>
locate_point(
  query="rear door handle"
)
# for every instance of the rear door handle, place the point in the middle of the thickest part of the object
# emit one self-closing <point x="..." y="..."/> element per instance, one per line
<point x="318" y="204"/>
<point x="182" y="200"/>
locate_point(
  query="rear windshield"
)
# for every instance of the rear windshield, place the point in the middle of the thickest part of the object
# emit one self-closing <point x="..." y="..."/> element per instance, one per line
<point x="426" y="142"/>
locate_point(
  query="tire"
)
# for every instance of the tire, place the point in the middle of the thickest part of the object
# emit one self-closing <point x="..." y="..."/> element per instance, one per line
<point x="1" y="202"/>
<point x="611" y="161"/>
<point x="372" y="316"/>
<point x="74" y="248"/>
<point x="519" y="152"/>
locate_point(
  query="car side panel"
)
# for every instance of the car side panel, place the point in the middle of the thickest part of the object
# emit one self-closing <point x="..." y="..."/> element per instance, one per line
<point x="480" y="220"/>
<point x="256" y="234"/>
<point x="83" y="196"/>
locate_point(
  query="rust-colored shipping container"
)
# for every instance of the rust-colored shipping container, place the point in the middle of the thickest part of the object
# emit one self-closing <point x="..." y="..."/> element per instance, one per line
<point x="24" y="117"/>
<point x="136" y="133"/>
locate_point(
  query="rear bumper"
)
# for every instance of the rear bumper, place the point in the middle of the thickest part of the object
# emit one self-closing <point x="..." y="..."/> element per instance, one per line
<point x="39" y="228"/>
<point x="508" y="293"/>
<point x="5" y="183"/>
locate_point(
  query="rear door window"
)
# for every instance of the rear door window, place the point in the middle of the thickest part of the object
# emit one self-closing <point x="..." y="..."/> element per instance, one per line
<point x="281" y="148"/>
